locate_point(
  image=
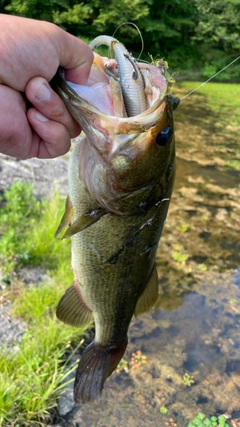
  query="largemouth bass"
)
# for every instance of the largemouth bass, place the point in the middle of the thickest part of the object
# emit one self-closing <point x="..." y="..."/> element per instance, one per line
<point x="121" y="177"/>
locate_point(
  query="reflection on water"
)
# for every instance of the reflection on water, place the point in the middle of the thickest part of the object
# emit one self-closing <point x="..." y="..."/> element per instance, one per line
<point x="195" y="328"/>
<point x="198" y="335"/>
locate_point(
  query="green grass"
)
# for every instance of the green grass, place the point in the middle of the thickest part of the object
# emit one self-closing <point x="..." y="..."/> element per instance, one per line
<point x="32" y="379"/>
<point x="27" y="229"/>
<point x="32" y="376"/>
<point x="223" y="98"/>
<point x="233" y="164"/>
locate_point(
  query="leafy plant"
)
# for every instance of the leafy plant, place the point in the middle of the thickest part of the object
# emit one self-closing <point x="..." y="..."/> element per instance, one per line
<point x="27" y="228"/>
<point x="179" y="257"/>
<point x="20" y="209"/>
<point x="201" y="420"/>
<point x="33" y="375"/>
<point x="183" y="228"/>
<point x="122" y="366"/>
<point x="188" y="380"/>
<point x="137" y="359"/>
<point x="200" y="35"/>
<point x="163" y="410"/>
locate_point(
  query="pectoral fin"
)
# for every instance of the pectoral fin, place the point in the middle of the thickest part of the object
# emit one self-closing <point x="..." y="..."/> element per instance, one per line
<point x="150" y="294"/>
<point x="67" y="217"/>
<point x="84" y="221"/>
<point x="72" y="310"/>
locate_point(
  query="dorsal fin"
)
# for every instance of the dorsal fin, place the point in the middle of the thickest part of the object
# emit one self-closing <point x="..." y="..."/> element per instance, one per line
<point x="150" y="294"/>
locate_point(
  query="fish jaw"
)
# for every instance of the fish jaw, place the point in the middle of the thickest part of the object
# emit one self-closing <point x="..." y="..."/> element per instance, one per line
<point x="119" y="150"/>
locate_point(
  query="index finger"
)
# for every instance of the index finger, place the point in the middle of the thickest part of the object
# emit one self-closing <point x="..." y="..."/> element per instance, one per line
<point x="31" y="48"/>
<point x="75" y="56"/>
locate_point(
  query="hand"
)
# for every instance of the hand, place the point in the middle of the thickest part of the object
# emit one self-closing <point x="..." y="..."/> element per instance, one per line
<point x="30" y="53"/>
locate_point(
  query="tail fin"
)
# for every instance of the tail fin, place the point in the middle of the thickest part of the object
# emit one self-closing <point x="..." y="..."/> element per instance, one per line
<point x="96" y="364"/>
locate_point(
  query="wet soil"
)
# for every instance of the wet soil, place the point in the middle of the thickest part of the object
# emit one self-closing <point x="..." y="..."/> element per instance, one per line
<point x="184" y="357"/>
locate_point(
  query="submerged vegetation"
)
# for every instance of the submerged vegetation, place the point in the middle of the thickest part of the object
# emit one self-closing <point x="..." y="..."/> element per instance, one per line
<point x="187" y="380"/>
<point x="32" y="373"/>
<point x="201" y="420"/>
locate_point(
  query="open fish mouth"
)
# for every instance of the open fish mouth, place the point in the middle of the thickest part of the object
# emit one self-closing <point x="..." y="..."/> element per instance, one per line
<point x="122" y="88"/>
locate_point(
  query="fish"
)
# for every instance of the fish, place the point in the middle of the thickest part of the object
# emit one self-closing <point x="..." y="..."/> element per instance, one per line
<point x="121" y="177"/>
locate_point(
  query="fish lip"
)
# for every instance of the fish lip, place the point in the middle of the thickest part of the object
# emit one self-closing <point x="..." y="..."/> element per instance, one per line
<point x="147" y="117"/>
<point x="71" y="97"/>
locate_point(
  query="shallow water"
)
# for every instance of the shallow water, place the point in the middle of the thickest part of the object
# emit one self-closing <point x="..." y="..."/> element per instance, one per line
<point x="195" y="327"/>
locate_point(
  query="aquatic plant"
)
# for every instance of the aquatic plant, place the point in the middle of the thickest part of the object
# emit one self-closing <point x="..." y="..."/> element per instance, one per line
<point x="163" y="410"/>
<point x="179" y="257"/>
<point x="187" y="380"/>
<point x="122" y="366"/>
<point x="137" y="359"/>
<point x="201" y="420"/>
<point x="183" y="228"/>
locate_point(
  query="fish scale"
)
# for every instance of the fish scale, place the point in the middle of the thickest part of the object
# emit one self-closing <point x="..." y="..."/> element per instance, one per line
<point x="121" y="177"/>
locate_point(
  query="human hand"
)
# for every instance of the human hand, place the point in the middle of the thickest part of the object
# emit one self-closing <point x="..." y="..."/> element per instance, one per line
<point x="30" y="54"/>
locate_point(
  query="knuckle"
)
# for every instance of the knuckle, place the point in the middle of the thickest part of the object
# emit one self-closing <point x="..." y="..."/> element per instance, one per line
<point x="58" y="110"/>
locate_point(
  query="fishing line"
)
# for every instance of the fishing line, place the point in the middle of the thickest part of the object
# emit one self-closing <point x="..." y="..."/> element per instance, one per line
<point x="139" y="32"/>
<point x="202" y="84"/>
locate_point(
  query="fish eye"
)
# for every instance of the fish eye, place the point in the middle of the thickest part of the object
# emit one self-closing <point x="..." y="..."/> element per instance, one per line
<point x="164" y="136"/>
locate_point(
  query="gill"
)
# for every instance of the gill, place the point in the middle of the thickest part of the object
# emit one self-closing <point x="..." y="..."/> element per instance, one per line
<point x="131" y="79"/>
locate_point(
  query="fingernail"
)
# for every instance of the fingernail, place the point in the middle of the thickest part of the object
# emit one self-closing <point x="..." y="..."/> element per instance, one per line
<point x="43" y="93"/>
<point x="40" y="117"/>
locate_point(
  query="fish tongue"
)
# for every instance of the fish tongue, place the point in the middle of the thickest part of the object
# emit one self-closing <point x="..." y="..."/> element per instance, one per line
<point x="106" y="97"/>
<point x="102" y="101"/>
<point x="96" y="364"/>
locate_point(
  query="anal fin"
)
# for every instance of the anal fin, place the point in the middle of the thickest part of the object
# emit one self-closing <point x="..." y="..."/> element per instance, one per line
<point x="72" y="310"/>
<point x="150" y="294"/>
